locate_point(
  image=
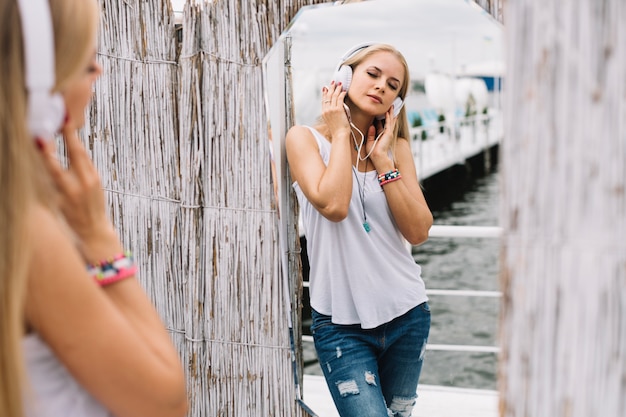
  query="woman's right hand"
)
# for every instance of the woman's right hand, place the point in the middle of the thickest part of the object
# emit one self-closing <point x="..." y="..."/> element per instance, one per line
<point x="334" y="111"/>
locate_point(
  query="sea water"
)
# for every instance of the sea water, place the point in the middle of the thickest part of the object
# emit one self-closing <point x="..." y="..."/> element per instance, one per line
<point x="463" y="264"/>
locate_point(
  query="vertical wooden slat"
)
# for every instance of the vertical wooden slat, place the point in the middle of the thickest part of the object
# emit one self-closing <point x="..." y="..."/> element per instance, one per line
<point x="563" y="329"/>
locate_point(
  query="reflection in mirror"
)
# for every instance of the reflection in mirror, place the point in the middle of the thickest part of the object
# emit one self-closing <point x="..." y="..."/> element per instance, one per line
<point x="454" y="52"/>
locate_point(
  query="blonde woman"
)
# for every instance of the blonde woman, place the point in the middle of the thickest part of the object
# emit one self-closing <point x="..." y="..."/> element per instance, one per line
<point x="361" y="201"/>
<point x="79" y="337"/>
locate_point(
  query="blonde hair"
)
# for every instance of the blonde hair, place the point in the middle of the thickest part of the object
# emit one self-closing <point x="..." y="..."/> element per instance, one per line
<point x="401" y="129"/>
<point x="22" y="180"/>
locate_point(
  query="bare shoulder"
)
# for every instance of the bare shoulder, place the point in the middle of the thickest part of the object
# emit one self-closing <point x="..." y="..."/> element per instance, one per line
<point x="403" y="151"/>
<point x="298" y="134"/>
<point x="297" y="130"/>
<point x="45" y="228"/>
<point x="403" y="143"/>
<point x="299" y="139"/>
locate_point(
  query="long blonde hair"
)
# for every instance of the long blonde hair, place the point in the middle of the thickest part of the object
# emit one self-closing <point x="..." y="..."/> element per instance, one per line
<point x="22" y="181"/>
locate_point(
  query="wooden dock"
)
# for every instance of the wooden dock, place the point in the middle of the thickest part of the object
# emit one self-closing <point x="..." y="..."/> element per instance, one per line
<point x="432" y="401"/>
<point x="448" y="146"/>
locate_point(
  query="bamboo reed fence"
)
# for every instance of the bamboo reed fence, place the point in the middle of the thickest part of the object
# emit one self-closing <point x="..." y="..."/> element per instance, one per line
<point x="564" y="210"/>
<point x="179" y="134"/>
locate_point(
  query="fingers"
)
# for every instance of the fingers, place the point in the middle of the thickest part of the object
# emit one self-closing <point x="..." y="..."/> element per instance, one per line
<point x="390" y="119"/>
<point x="50" y="161"/>
<point x="332" y="95"/>
<point x="81" y="198"/>
<point x="80" y="178"/>
<point x="79" y="161"/>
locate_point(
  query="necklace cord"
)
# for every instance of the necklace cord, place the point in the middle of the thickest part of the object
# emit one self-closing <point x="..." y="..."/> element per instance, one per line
<point x="361" y="190"/>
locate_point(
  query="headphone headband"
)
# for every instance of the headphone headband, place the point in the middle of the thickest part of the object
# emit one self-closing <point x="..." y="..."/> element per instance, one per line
<point x="350" y="52"/>
<point x="45" y="110"/>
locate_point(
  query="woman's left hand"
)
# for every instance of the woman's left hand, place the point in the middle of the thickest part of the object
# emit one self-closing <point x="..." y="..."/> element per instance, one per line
<point x="378" y="149"/>
<point x="80" y="193"/>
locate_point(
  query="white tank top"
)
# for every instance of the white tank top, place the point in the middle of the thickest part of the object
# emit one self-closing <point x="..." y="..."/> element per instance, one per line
<point x="52" y="391"/>
<point x="355" y="276"/>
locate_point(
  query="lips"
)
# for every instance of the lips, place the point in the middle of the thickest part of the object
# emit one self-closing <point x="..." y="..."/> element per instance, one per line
<point x="375" y="98"/>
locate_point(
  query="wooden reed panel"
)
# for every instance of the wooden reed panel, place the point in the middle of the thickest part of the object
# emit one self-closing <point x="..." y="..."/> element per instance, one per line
<point x="131" y="129"/>
<point x="182" y="148"/>
<point x="563" y="328"/>
<point x="240" y="358"/>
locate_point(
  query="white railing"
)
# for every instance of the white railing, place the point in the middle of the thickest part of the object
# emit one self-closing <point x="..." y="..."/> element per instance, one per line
<point x="441" y="145"/>
<point x="465" y="231"/>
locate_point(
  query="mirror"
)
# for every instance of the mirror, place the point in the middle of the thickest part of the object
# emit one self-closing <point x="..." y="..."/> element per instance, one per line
<point x="454" y="52"/>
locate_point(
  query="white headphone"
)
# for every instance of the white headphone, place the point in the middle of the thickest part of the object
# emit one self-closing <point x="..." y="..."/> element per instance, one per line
<point x="343" y="74"/>
<point x="46" y="111"/>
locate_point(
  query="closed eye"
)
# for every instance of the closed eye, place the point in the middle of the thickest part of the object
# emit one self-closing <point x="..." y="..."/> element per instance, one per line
<point x="375" y="73"/>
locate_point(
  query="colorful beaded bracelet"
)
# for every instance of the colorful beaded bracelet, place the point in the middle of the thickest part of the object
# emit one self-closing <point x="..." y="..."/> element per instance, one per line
<point x="388" y="177"/>
<point x="112" y="270"/>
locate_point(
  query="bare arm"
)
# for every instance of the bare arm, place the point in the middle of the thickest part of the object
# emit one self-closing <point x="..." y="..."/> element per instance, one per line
<point x="110" y="338"/>
<point x="328" y="188"/>
<point x="404" y="196"/>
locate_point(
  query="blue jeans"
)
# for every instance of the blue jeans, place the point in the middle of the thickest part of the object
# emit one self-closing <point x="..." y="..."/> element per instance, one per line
<point x="373" y="372"/>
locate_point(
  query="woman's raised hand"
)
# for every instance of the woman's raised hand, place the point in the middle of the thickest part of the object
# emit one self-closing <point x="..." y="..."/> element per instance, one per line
<point x="81" y="195"/>
<point x="378" y="149"/>
<point x="334" y="111"/>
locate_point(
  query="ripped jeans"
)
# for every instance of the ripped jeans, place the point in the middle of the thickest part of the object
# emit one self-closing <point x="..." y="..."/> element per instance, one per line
<point x="373" y="372"/>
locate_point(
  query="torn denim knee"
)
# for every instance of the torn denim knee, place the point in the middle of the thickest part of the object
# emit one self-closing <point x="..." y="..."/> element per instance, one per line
<point x="401" y="406"/>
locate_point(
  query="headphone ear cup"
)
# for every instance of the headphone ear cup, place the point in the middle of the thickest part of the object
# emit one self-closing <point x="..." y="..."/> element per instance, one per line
<point x="45" y="114"/>
<point x="344" y="76"/>
<point x="397" y="106"/>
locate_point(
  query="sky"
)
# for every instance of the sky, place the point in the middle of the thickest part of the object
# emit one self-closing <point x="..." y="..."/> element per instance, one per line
<point x="448" y="36"/>
<point x="442" y="35"/>
<point x="432" y="34"/>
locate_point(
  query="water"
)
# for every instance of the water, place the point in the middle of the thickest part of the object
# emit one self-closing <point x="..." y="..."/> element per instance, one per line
<point x="459" y="263"/>
<point x="463" y="264"/>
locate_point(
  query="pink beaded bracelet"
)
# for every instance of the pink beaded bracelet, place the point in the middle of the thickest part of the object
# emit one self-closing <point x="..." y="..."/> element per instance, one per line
<point x="107" y="272"/>
<point x="388" y="177"/>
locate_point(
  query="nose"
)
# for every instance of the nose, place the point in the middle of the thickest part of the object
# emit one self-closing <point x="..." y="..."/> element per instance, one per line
<point x="380" y="85"/>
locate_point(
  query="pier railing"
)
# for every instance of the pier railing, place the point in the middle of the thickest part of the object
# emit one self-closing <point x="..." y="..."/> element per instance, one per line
<point x="439" y="146"/>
